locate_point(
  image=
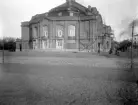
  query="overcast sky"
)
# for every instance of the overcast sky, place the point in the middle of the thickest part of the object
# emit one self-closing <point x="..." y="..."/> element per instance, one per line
<point x="117" y="13"/>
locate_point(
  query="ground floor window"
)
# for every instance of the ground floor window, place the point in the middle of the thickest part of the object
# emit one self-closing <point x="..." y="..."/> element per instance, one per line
<point x="34" y="44"/>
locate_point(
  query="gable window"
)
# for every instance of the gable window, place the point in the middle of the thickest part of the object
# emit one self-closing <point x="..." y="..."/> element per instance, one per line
<point x="60" y="14"/>
<point x="45" y="31"/>
<point x="71" y="14"/>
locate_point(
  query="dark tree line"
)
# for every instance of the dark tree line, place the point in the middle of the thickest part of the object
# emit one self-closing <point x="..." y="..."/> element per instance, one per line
<point x="124" y="45"/>
<point x="8" y="43"/>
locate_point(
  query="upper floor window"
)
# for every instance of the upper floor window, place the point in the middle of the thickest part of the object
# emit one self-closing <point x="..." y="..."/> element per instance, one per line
<point x="45" y="31"/>
<point x="59" y="31"/>
<point x="35" y="32"/>
<point x="71" y="30"/>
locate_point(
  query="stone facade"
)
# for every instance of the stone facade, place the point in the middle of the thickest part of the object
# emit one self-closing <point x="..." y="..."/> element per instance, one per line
<point x="68" y="26"/>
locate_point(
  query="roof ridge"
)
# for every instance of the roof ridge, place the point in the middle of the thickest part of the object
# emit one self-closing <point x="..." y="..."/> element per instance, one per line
<point x="57" y="7"/>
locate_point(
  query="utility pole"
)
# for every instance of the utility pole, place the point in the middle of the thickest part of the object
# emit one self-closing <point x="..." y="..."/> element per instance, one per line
<point x="3" y="51"/>
<point x="79" y="31"/>
<point x="132" y="46"/>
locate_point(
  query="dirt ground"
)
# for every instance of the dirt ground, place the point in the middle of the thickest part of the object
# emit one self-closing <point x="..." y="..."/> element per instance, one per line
<point x="65" y="79"/>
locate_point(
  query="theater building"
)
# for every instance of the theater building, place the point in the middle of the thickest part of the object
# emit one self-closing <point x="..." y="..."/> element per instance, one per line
<point x="70" y="26"/>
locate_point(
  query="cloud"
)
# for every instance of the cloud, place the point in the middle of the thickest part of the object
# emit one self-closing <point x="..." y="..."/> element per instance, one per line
<point x="13" y="12"/>
<point x="116" y="13"/>
<point x="1" y="28"/>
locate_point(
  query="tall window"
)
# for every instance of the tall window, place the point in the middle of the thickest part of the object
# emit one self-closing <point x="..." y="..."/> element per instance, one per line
<point x="59" y="31"/>
<point x="71" y="34"/>
<point x="45" y="31"/>
<point x="71" y="31"/>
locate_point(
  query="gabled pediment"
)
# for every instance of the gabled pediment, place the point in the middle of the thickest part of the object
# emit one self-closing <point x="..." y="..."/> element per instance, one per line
<point x="68" y="9"/>
<point x="70" y="5"/>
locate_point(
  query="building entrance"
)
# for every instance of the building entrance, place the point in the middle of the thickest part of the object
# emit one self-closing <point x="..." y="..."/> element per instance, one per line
<point x="45" y="44"/>
<point x="59" y="44"/>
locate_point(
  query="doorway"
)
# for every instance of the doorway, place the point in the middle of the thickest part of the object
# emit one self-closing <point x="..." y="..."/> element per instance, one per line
<point x="45" y="44"/>
<point x="59" y="44"/>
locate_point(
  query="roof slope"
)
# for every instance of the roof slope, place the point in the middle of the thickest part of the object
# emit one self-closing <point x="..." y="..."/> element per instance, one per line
<point x="37" y="18"/>
<point x="69" y="5"/>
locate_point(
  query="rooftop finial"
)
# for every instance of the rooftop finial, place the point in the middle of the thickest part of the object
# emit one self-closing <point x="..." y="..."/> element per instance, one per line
<point x="69" y="0"/>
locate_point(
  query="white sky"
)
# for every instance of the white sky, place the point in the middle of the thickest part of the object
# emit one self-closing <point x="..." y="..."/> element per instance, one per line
<point x="117" y="13"/>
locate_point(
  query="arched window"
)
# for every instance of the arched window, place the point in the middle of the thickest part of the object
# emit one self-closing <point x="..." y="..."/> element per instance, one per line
<point x="59" y="31"/>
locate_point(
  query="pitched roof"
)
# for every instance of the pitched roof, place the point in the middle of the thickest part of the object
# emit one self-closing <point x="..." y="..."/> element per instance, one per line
<point x="38" y="18"/>
<point x="70" y="4"/>
<point x="72" y="18"/>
